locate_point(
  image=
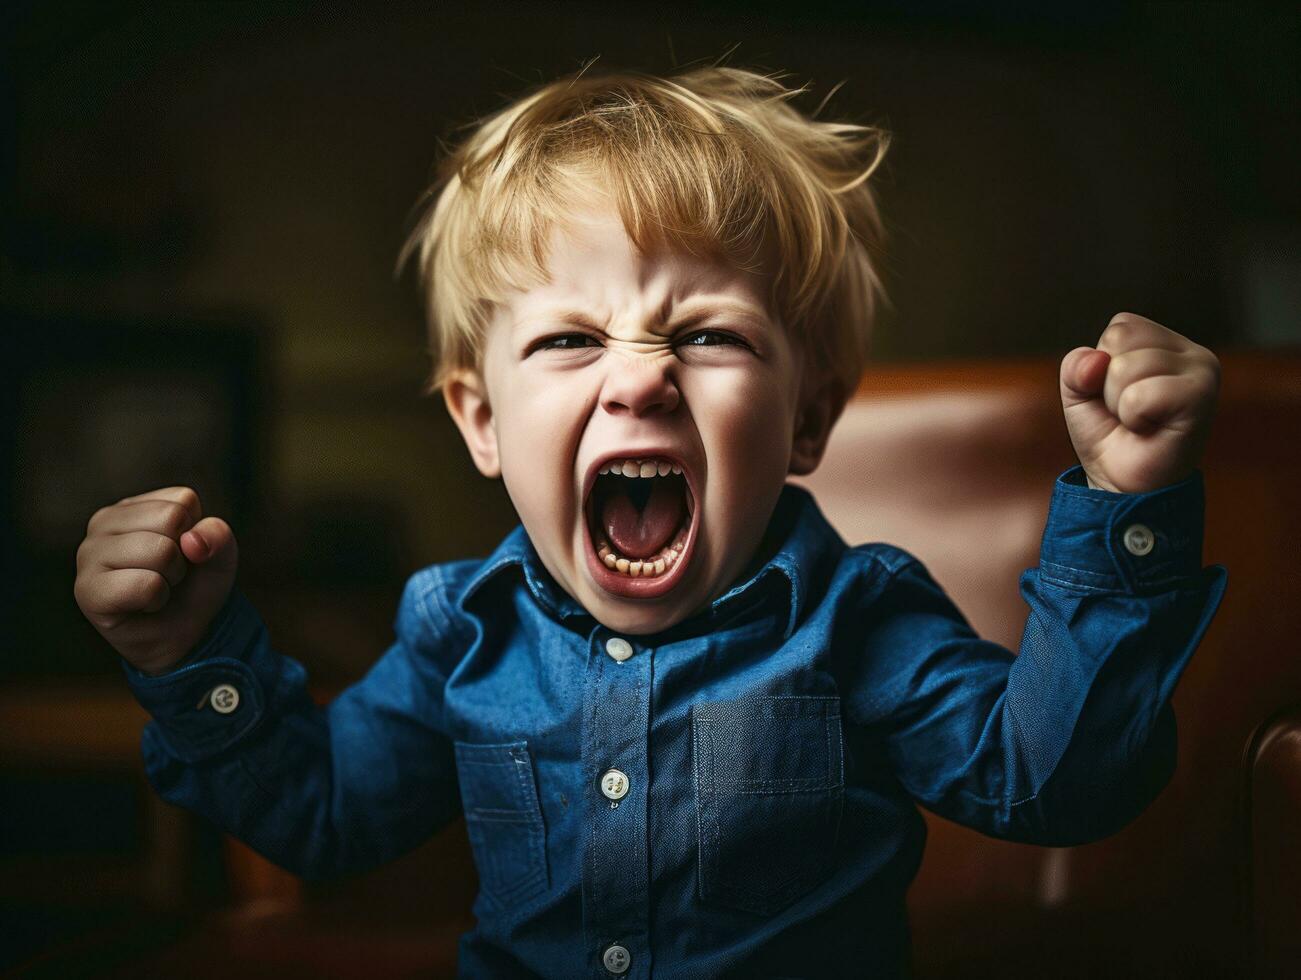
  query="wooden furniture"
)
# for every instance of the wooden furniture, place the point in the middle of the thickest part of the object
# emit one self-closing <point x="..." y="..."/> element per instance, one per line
<point x="955" y="464"/>
<point x="1271" y="820"/>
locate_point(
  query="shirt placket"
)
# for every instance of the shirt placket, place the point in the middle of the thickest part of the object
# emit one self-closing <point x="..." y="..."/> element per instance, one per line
<point x="616" y="879"/>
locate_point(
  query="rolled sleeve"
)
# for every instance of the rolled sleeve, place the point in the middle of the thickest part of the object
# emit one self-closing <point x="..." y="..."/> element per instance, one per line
<point x="219" y="693"/>
<point x="1068" y="739"/>
<point x="320" y="790"/>
<point x="1136" y="544"/>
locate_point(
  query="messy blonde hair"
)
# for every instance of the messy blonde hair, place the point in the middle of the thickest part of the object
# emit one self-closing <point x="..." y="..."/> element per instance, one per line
<point x="713" y="161"/>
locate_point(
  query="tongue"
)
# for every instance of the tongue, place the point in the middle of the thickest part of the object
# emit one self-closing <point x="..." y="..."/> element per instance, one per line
<point x="640" y="534"/>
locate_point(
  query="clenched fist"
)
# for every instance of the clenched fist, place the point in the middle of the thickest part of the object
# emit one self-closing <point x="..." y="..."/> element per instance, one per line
<point x="152" y="573"/>
<point x="1139" y="405"/>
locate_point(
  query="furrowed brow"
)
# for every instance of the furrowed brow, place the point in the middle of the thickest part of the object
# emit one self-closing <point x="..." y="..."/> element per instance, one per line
<point x="708" y="309"/>
<point x="574" y="318"/>
<point x="695" y="312"/>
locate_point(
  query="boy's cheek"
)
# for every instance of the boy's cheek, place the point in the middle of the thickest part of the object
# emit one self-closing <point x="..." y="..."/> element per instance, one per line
<point x="749" y="458"/>
<point x="750" y="431"/>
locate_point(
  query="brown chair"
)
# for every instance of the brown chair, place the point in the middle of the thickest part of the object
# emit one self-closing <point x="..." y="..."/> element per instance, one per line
<point x="954" y="463"/>
<point x="1271" y="886"/>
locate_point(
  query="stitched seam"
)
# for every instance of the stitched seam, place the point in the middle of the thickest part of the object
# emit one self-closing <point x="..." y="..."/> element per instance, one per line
<point x="892" y="569"/>
<point x="700" y="804"/>
<point x="526" y="817"/>
<point x="1141" y="586"/>
<point x="1067" y="571"/>
<point x="826" y="729"/>
<point x="498" y="815"/>
<point x="1083" y="492"/>
<point x="1080" y="586"/>
<point x="437" y="592"/>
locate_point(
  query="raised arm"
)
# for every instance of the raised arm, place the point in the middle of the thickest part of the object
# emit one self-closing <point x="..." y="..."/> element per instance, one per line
<point x="320" y="791"/>
<point x="235" y="735"/>
<point x="1074" y="736"/>
<point x="1071" y="738"/>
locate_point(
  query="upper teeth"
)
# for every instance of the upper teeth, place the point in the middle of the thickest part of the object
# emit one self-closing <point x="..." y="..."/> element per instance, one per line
<point x="641" y="468"/>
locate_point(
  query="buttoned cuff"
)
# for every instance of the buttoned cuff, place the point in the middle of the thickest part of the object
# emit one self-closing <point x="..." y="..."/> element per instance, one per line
<point x="1135" y="543"/>
<point x="215" y="697"/>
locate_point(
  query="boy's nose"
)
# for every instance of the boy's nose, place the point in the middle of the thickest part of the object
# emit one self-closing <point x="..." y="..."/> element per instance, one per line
<point x="638" y="387"/>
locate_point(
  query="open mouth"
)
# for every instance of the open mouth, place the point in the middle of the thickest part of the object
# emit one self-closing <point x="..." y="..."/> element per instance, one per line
<point x="640" y="517"/>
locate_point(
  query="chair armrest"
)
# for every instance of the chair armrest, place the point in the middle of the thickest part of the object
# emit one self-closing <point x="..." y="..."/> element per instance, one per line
<point x="1272" y="825"/>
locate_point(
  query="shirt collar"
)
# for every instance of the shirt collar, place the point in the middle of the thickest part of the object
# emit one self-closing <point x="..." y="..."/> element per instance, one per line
<point x="801" y="548"/>
<point x="799" y="543"/>
<point x="516" y="551"/>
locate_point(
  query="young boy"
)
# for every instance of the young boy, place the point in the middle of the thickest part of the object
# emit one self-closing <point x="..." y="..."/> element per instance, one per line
<point x="686" y="725"/>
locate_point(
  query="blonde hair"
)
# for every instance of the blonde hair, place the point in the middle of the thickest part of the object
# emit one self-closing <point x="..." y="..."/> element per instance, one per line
<point x="713" y="161"/>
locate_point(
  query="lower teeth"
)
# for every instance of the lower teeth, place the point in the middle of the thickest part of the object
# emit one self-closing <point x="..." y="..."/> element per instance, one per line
<point x="641" y="567"/>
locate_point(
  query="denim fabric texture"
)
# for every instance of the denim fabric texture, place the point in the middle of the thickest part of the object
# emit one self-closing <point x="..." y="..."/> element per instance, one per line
<point x="773" y="747"/>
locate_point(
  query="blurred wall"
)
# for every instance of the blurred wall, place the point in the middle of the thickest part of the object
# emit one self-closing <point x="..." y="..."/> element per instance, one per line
<point x="1050" y="167"/>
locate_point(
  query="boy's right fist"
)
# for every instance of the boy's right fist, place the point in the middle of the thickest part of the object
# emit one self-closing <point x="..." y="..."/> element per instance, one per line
<point x="152" y="574"/>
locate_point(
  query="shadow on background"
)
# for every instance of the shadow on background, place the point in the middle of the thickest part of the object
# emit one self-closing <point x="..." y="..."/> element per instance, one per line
<point x="203" y="205"/>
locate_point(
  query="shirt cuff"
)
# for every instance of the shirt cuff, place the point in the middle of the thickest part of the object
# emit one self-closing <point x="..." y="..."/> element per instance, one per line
<point x="1136" y="543"/>
<point x="214" y="697"/>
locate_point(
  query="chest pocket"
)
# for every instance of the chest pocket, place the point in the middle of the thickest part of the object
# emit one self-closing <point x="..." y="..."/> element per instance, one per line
<point x="503" y="820"/>
<point x="770" y="786"/>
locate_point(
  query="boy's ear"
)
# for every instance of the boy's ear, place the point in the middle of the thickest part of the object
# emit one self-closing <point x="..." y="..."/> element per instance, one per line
<point x="819" y="410"/>
<point x="467" y="402"/>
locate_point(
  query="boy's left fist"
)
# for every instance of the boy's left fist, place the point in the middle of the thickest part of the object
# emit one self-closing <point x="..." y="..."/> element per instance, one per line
<point x="1139" y="405"/>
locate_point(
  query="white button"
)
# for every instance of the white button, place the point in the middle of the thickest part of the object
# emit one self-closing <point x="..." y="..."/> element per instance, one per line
<point x="224" y="699"/>
<point x="617" y="959"/>
<point x="1139" y="539"/>
<point x="618" y="648"/>
<point x="614" y="785"/>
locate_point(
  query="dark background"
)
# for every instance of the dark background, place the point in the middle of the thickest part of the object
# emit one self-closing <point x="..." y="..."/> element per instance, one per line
<point x="203" y="205"/>
<point x="253" y="167"/>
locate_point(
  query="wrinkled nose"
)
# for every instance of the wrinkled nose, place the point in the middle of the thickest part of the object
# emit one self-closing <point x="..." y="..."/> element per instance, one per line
<point x="637" y="386"/>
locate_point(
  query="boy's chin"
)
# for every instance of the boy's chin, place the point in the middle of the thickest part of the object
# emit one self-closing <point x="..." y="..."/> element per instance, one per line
<point x="635" y="618"/>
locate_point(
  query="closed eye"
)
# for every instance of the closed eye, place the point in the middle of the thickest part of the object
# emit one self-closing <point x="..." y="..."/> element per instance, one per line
<point x="565" y="341"/>
<point x="712" y="338"/>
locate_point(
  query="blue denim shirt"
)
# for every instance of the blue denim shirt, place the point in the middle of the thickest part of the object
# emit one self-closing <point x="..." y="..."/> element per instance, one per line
<point x="772" y="748"/>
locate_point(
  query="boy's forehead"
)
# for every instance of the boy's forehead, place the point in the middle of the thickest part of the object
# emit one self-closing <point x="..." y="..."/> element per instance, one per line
<point x="595" y="272"/>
